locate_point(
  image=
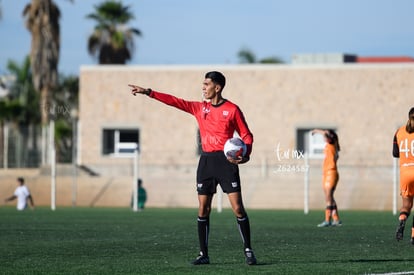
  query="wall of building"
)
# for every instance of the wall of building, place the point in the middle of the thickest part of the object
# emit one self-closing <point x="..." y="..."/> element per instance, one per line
<point x="363" y="188"/>
<point x="365" y="103"/>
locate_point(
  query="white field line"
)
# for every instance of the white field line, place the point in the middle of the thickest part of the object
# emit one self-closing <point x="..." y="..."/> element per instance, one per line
<point x="393" y="273"/>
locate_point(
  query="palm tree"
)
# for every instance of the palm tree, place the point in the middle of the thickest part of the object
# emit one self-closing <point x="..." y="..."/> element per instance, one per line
<point x="66" y="99"/>
<point x="42" y="20"/>
<point x="247" y="56"/>
<point x="23" y="92"/>
<point x="112" y="42"/>
<point x="20" y="112"/>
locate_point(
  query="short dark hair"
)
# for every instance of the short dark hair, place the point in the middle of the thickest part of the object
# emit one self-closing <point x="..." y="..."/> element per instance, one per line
<point x="333" y="138"/>
<point x="20" y="179"/>
<point x="410" y="123"/>
<point x="411" y="112"/>
<point x="217" y="78"/>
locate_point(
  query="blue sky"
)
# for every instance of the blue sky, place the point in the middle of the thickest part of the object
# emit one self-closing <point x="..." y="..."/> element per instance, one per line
<point x="212" y="32"/>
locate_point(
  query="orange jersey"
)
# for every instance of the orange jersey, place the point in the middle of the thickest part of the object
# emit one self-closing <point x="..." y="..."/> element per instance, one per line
<point x="404" y="143"/>
<point x="404" y="149"/>
<point x="330" y="173"/>
<point x="331" y="156"/>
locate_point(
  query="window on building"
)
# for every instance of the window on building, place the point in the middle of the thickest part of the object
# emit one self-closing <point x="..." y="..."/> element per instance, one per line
<point x="312" y="144"/>
<point x="119" y="142"/>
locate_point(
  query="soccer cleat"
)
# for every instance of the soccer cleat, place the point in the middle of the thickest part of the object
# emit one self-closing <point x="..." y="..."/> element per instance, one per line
<point x="324" y="224"/>
<point x="201" y="259"/>
<point x="336" y="223"/>
<point x="400" y="231"/>
<point x="250" y="258"/>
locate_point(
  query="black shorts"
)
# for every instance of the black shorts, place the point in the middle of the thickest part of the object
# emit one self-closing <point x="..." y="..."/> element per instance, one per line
<point x="214" y="168"/>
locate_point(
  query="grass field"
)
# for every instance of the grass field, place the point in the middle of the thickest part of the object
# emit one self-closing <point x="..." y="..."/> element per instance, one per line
<point x="164" y="241"/>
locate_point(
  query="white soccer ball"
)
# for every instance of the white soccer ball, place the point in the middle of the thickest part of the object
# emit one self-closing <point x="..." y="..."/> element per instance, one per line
<point x="235" y="148"/>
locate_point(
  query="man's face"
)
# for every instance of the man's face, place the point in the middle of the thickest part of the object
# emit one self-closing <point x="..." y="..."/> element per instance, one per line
<point x="210" y="89"/>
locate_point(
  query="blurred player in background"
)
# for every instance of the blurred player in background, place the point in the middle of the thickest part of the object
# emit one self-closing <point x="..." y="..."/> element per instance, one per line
<point x="142" y="196"/>
<point x="403" y="148"/>
<point x="330" y="176"/>
<point x="22" y="194"/>
<point x="218" y="119"/>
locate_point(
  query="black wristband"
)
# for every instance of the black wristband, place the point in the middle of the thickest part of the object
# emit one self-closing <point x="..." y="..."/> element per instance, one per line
<point x="148" y="91"/>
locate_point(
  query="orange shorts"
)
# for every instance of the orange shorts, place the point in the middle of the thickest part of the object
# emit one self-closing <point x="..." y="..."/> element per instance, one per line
<point x="330" y="179"/>
<point x="407" y="182"/>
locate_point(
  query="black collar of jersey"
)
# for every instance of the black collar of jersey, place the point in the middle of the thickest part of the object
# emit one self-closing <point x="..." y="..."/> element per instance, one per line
<point x="221" y="103"/>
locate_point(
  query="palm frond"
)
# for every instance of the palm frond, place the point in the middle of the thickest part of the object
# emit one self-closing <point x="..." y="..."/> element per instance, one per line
<point x="112" y="41"/>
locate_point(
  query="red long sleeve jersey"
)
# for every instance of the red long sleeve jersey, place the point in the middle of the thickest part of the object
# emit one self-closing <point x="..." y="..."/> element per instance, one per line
<point x="217" y="123"/>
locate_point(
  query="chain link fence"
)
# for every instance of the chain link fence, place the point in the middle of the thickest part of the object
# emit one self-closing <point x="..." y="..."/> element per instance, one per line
<point x="23" y="147"/>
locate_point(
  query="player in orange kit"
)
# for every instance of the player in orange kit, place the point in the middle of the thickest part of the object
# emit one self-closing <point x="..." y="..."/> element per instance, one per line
<point x="403" y="149"/>
<point x="330" y="176"/>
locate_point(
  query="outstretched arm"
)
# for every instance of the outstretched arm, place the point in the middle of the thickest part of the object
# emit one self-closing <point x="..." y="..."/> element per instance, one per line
<point x="184" y="105"/>
<point x="10" y="198"/>
<point x="319" y="131"/>
<point x="139" y="90"/>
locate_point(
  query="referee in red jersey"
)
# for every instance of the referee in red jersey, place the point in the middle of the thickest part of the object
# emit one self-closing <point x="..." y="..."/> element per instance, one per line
<point x="218" y="119"/>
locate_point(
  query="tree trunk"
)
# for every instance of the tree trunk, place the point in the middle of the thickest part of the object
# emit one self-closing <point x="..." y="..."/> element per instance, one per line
<point x="45" y="111"/>
<point x="45" y="107"/>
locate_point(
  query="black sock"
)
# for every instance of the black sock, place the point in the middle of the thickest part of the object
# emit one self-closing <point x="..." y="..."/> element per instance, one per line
<point x="203" y="230"/>
<point x="244" y="229"/>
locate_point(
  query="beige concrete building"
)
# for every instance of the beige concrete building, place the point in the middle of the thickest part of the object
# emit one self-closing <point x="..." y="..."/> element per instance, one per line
<point x="364" y="103"/>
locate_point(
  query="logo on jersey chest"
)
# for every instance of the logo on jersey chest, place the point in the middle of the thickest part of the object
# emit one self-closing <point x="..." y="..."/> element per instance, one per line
<point x="225" y="114"/>
<point x="206" y="111"/>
